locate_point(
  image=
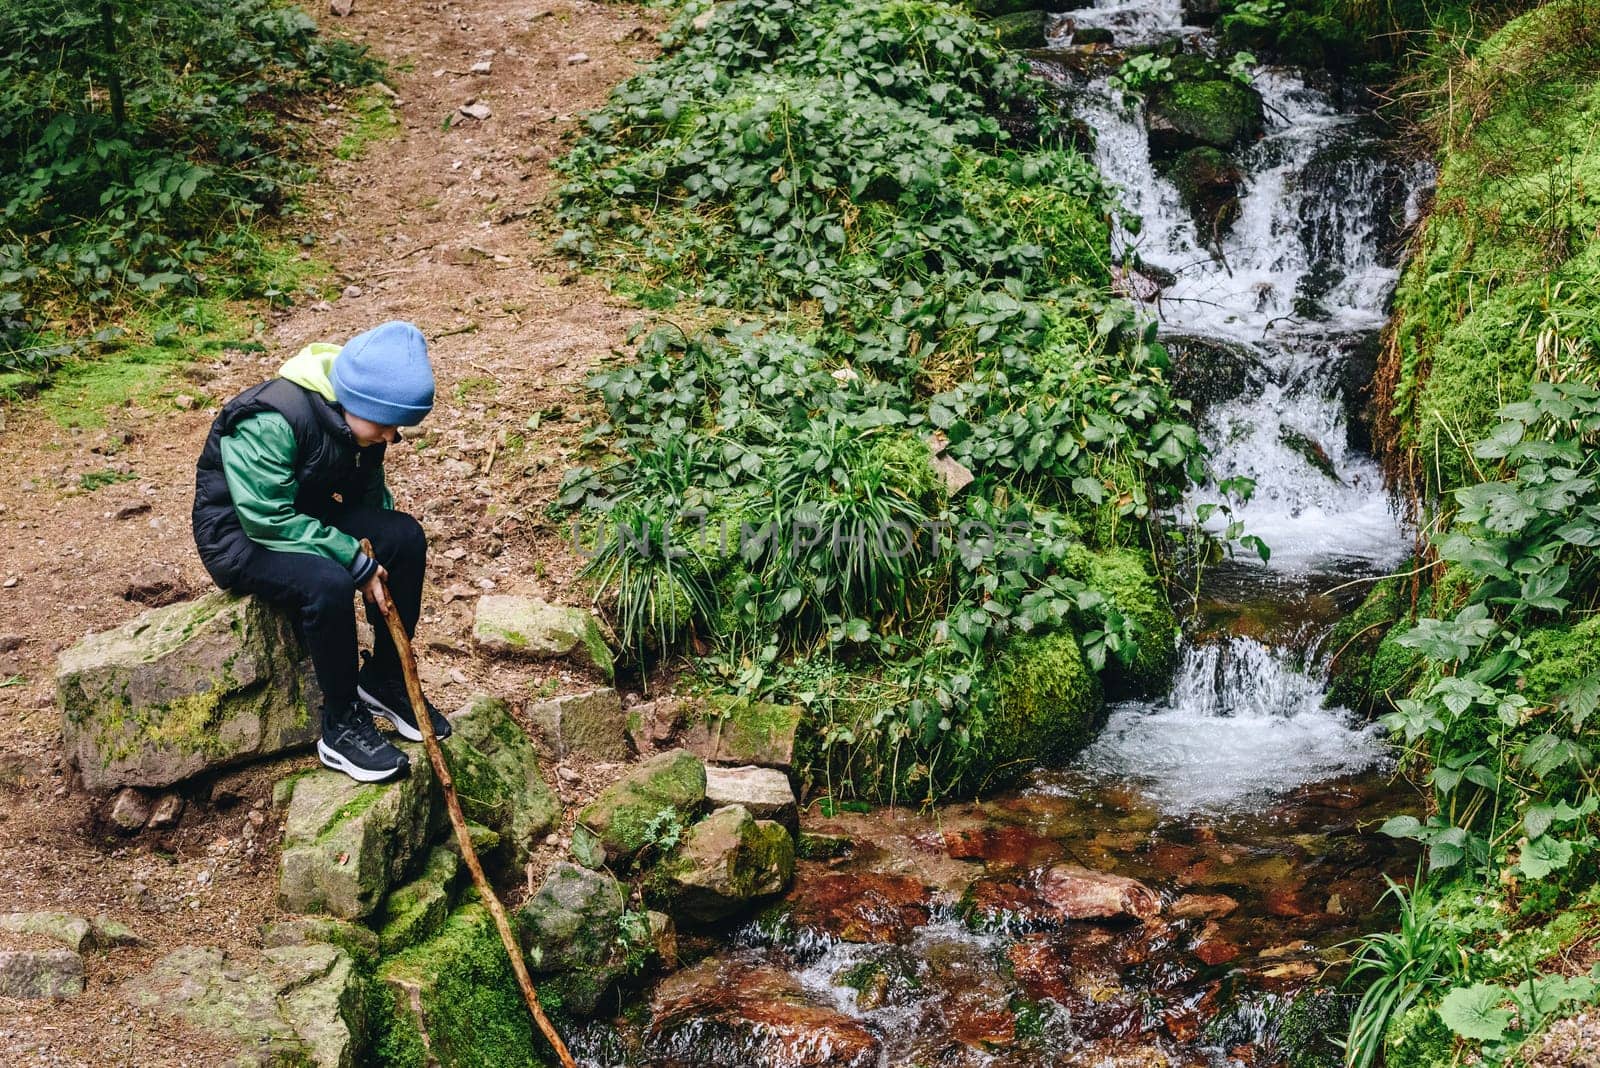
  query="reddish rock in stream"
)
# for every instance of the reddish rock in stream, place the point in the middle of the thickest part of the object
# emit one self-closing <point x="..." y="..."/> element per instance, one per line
<point x="860" y="906"/>
<point x="1057" y="895"/>
<point x="1202" y="907"/>
<point x="1004" y="845"/>
<point x="732" y="1014"/>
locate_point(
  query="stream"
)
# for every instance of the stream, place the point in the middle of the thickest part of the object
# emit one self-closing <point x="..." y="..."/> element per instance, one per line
<point x="1238" y="797"/>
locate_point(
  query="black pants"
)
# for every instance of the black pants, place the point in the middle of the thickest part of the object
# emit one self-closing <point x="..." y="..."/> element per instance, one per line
<point x="321" y="594"/>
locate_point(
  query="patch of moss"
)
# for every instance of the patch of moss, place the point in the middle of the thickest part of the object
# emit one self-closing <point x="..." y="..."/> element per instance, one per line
<point x="471" y="1010"/>
<point x="1311" y="1027"/>
<point x="1218" y="112"/>
<point x="1560" y="656"/>
<point x="415" y="911"/>
<point x="1367" y="665"/>
<point x="364" y="798"/>
<point x="1047" y="706"/>
<point x="374" y="121"/>
<point x="1022" y="29"/>
<point x="1127" y="578"/>
<point x="1418" y="1039"/>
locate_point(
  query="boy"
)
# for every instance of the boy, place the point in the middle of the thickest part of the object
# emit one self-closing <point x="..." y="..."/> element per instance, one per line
<point x="289" y="481"/>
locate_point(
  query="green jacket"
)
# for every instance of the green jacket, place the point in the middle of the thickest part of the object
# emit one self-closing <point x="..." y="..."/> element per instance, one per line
<point x="258" y="462"/>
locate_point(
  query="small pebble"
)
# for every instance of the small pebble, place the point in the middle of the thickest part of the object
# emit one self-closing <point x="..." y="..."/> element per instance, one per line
<point x="576" y="58"/>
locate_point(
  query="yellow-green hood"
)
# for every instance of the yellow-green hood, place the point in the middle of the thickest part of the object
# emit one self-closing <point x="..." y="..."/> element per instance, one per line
<point x="312" y="368"/>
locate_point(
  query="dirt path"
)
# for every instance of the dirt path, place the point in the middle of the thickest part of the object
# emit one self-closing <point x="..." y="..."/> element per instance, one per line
<point x="436" y="226"/>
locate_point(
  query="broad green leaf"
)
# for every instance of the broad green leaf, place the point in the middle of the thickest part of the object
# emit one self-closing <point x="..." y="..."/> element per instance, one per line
<point x="1544" y="855"/>
<point x="1401" y="827"/>
<point x="1475" y="1012"/>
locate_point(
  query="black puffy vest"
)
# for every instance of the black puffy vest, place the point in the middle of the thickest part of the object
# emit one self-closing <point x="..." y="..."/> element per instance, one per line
<point x="329" y="467"/>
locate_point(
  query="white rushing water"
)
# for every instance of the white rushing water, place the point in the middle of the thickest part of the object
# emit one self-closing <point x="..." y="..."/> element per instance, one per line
<point x="1294" y="289"/>
<point x="1241" y="724"/>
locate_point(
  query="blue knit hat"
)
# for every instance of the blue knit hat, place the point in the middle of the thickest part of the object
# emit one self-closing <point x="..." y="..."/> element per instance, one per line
<point x="384" y="375"/>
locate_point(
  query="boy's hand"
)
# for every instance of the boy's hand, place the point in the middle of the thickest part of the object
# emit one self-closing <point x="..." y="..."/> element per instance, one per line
<point x="374" y="591"/>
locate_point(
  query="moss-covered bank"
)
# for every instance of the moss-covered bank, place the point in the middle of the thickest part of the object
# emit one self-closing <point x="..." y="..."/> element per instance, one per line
<point x="1482" y="659"/>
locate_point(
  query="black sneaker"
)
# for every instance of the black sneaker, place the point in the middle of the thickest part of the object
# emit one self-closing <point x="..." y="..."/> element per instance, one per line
<point x="388" y="698"/>
<point x="351" y="743"/>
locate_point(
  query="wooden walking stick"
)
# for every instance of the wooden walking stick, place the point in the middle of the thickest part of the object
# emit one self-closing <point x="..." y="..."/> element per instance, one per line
<point x="408" y="664"/>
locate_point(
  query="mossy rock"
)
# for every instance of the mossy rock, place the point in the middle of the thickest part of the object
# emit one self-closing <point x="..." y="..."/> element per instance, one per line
<point x="1208" y="182"/>
<point x="1021" y="29"/>
<point x="570" y="932"/>
<point x="184" y="689"/>
<point x="1047" y="707"/>
<point x="740" y="730"/>
<point x="654" y="798"/>
<point x="453" y="1000"/>
<point x="346" y="843"/>
<point x="415" y="911"/>
<point x="1218" y="113"/>
<point x="292" y="1005"/>
<point x="528" y="627"/>
<point x="1303" y="38"/>
<point x="1311" y="1026"/>
<point x="358" y="940"/>
<point x="496" y="771"/>
<point x="725" y="862"/>
<point x="1127" y="578"/>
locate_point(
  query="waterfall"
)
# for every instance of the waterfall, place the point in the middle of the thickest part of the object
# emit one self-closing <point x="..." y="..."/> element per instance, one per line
<point x="1290" y="294"/>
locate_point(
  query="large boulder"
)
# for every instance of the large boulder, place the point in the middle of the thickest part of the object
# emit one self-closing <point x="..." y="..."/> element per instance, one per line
<point x="497" y="777"/>
<point x="346" y="843"/>
<point x="507" y="625"/>
<point x="184" y="689"/>
<point x="1217" y="112"/>
<point x="724" y="863"/>
<point x="652" y="803"/>
<point x="569" y="931"/>
<point x="300" y="1005"/>
<point x="590" y="724"/>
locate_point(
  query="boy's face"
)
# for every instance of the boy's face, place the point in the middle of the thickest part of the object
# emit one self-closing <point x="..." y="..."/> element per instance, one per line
<point x="369" y="433"/>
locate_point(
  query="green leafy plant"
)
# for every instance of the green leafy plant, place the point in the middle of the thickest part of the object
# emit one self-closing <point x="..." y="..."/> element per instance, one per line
<point x="1140" y="72"/>
<point x="909" y="405"/>
<point x="1394" y="970"/>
